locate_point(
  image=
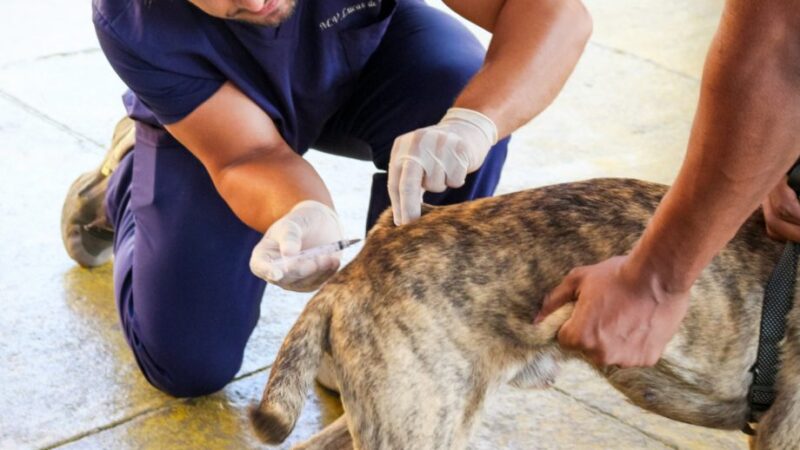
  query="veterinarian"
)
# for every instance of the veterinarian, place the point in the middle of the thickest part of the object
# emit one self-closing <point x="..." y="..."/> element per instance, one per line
<point x="746" y="136"/>
<point x="226" y="97"/>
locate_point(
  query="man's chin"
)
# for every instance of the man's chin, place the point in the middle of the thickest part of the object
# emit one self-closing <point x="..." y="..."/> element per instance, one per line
<point x="274" y="19"/>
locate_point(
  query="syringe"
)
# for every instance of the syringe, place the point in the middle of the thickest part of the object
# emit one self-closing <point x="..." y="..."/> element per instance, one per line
<point x="313" y="252"/>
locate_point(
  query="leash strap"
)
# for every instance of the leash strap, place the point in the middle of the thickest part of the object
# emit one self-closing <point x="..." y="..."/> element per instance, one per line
<point x="778" y="299"/>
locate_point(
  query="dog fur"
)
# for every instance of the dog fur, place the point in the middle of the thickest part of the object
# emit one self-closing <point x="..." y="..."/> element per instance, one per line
<point x="431" y="317"/>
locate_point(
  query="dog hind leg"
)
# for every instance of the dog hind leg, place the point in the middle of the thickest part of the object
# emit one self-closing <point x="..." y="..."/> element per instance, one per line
<point x="406" y="394"/>
<point x="335" y="436"/>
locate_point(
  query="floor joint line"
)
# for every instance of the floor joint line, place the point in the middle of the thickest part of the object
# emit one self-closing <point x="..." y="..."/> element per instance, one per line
<point x="83" y="51"/>
<point x="53" y="122"/>
<point x="644" y="59"/>
<point x="603" y="412"/>
<point x="168" y="404"/>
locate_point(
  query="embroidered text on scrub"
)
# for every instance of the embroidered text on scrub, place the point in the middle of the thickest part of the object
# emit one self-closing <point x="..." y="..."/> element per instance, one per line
<point x="345" y="12"/>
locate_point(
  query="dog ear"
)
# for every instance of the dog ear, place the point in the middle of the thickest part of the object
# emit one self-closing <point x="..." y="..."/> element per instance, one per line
<point x="386" y="220"/>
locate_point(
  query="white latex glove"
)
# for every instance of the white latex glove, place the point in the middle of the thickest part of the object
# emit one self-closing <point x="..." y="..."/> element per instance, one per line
<point x="436" y="158"/>
<point x="308" y="224"/>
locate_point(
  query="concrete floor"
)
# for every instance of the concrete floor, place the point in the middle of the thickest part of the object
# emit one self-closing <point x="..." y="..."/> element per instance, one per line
<point x="67" y="379"/>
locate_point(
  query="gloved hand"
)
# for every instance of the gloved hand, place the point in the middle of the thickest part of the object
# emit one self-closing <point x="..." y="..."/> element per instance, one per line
<point x="308" y="224"/>
<point x="437" y="157"/>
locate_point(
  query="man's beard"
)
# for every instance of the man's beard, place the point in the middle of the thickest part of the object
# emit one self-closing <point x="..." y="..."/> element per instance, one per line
<point x="277" y="17"/>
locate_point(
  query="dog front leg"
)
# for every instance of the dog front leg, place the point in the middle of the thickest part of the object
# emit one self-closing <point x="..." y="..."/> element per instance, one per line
<point x="779" y="428"/>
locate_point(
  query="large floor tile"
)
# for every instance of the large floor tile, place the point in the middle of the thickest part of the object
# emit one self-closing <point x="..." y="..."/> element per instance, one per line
<point x="531" y="419"/>
<point x="79" y="91"/>
<point x="214" y="422"/>
<point x="513" y="419"/>
<point x="673" y="34"/>
<point x="581" y="383"/>
<point x="615" y="115"/>
<point x="65" y="368"/>
<point x="30" y="30"/>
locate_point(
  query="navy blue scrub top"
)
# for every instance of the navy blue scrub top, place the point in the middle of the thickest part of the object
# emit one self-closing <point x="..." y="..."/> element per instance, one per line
<point x="173" y="57"/>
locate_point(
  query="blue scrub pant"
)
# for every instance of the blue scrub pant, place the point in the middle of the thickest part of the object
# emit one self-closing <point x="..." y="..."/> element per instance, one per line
<point x="187" y="300"/>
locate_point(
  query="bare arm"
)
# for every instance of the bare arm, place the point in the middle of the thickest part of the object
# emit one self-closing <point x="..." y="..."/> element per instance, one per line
<point x="746" y="135"/>
<point x="535" y="46"/>
<point x="253" y="168"/>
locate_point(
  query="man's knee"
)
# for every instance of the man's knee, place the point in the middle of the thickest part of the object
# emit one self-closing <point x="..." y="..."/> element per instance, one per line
<point x="194" y="372"/>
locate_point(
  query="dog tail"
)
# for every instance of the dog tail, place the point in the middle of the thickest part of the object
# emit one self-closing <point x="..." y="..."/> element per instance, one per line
<point x="547" y="329"/>
<point x="293" y="372"/>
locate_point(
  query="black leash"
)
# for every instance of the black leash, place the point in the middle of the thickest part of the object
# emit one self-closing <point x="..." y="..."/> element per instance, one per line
<point x="778" y="300"/>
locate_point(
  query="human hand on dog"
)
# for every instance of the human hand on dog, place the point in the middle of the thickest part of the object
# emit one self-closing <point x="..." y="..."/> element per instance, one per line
<point x="308" y="224"/>
<point x="436" y="158"/>
<point x="782" y="213"/>
<point x="622" y="316"/>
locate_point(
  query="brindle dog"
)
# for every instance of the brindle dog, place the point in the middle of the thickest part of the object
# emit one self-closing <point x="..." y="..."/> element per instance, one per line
<point x="430" y="317"/>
